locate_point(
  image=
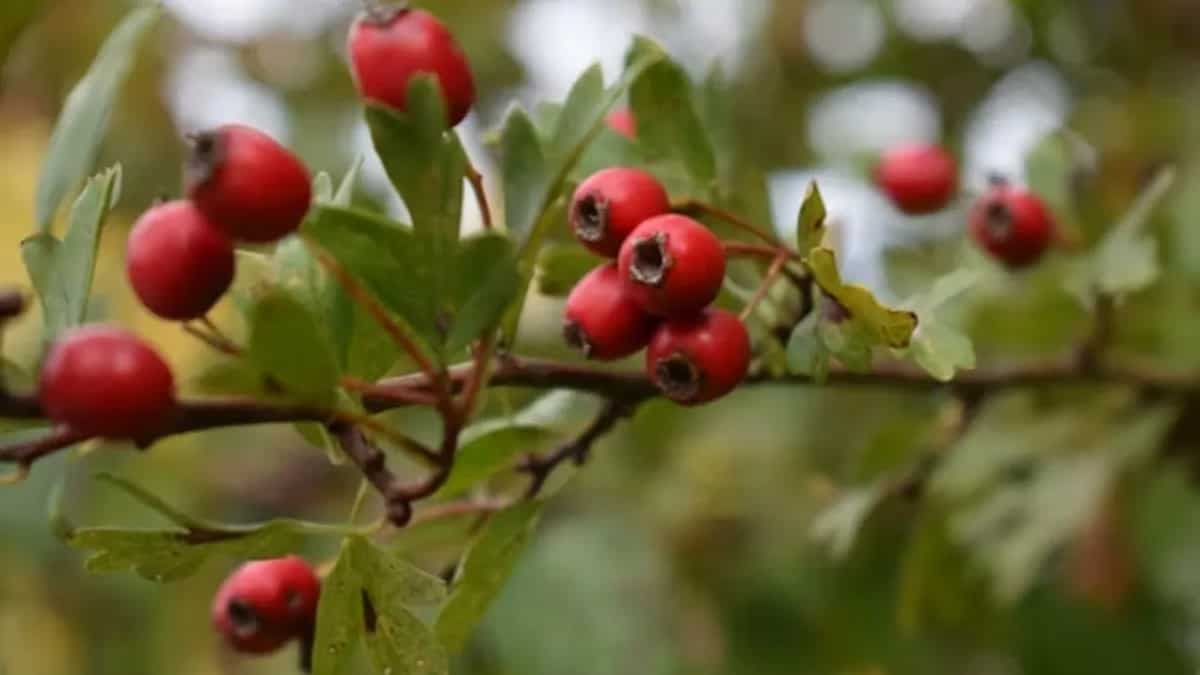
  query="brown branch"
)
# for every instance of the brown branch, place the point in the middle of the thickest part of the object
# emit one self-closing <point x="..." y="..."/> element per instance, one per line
<point x="765" y="287"/>
<point x="27" y="452"/>
<point x="539" y="467"/>
<point x="457" y="509"/>
<point x="372" y="462"/>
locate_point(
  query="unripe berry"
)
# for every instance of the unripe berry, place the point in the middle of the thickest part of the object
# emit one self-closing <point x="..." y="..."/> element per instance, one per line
<point x="672" y="265"/>
<point x="265" y="603"/>
<point x="699" y="358"/>
<point x="623" y="122"/>
<point x="178" y="263"/>
<point x="388" y="47"/>
<point x="918" y="178"/>
<point x="247" y="184"/>
<point x="1012" y="224"/>
<point x="601" y="320"/>
<point x="104" y="382"/>
<point x="610" y="204"/>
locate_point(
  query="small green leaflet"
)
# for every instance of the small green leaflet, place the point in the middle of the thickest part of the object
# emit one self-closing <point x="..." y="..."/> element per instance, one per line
<point x="84" y="120"/>
<point x="561" y="266"/>
<point x="838" y="525"/>
<point x="486" y="567"/>
<point x="889" y="327"/>
<point x="62" y="271"/>
<point x="810" y="223"/>
<point x="288" y="344"/>
<point x="938" y="347"/>
<point x="668" y="124"/>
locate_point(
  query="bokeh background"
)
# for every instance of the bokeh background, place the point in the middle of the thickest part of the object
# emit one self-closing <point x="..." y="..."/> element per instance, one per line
<point x="687" y="546"/>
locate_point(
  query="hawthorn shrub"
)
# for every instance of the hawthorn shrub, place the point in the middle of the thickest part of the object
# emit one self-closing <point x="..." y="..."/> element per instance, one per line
<point x="638" y="217"/>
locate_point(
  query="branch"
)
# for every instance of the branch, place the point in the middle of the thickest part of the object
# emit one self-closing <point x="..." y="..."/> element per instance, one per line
<point x="539" y="467"/>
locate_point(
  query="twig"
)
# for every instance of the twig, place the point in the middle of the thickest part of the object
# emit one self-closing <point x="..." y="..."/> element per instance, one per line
<point x="466" y="507"/>
<point x="410" y="445"/>
<point x="217" y="342"/>
<point x="26" y="453"/>
<point x="372" y="462"/>
<point x="697" y="207"/>
<point x="737" y="248"/>
<point x="476" y="180"/>
<point x="539" y="467"/>
<point x="768" y="281"/>
<point x="480" y="371"/>
<point x="400" y="396"/>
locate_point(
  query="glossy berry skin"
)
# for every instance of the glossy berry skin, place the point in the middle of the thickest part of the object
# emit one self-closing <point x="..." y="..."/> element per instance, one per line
<point x="919" y="179"/>
<point x="610" y="204"/>
<point x="601" y="320"/>
<point x="178" y="263"/>
<point x="104" y="382"/>
<point x="1012" y="224"/>
<point x="672" y="266"/>
<point x="623" y="122"/>
<point x="247" y="184"/>
<point x="388" y="47"/>
<point x="700" y="358"/>
<point x="266" y="603"/>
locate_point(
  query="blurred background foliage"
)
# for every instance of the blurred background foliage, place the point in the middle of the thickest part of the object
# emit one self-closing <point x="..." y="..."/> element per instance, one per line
<point x="764" y="534"/>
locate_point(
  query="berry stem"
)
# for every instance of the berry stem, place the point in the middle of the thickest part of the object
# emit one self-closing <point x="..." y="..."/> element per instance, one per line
<point x="206" y="332"/>
<point x="539" y="467"/>
<point x="475" y="178"/>
<point x="740" y="249"/>
<point x="413" y="447"/>
<point x="700" y="208"/>
<point x="773" y="274"/>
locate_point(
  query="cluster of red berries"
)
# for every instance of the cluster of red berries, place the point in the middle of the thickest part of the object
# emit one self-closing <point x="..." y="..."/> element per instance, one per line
<point x="657" y="293"/>
<point x="1011" y="224"/>
<point x="265" y="604"/>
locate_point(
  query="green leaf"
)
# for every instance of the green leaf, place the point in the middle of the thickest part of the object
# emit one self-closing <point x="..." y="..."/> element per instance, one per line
<point x="838" y="525"/>
<point x="171" y="555"/>
<point x="322" y="187"/>
<point x="577" y="119"/>
<point x="668" y="124"/>
<point x="402" y="645"/>
<point x="426" y="164"/>
<point x="485" y="282"/>
<point x="233" y="377"/>
<point x="850" y="341"/>
<point x="62" y="271"/>
<point x="345" y="191"/>
<point x="1052" y="169"/>
<point x="937" y="346"/>
<point x="890" y="327"/>
<point x="84" y="120"/>
<point x="288" y="345"/>
<point x="810" y="223"/>
<point x="561" y="266"/>
<point x="393" y="581"/>
<point x="806" y="351"/>
<point x="485" y="568"/>
<point x="339" y="617"/>
<point x="526" y="175"/>
<point x="1126" y="261"/>
<point x="488" y="448"/>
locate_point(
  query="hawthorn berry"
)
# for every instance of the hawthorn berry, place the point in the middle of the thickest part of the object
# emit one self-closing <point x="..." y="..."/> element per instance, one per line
<point x="247" y="184"/>
<point x="266" y="603"/>
<point x="389" y="46"/>
<point x="699" y="358"/>
<point x="623" y="122"/>
<point x="1012" y="224"/>
<point x="104" y="382"/>
<point x="612" y="203"/>
<point x="672" y="265"/>
<point x="919" y="178"/>
<point x="601" y="320"/>
<point x="178" y="263"/>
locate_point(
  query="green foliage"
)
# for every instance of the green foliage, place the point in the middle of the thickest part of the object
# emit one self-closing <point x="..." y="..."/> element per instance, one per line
<point x="287" y="345"/>
<point x="84" y="118"/>
<point x="485" y="568"/>
<point x="888" y="327"/>
<point x="62" y="271"/>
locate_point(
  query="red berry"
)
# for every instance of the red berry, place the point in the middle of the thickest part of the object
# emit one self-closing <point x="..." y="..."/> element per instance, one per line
<point x="700" y="358"/>
<point x="623" y="122"/>
<point x="105" y="382"/>
<point x="672" y="265"/>
<point x="1012" y="224"/>
<point x="178" y="263"/>
<point x="247" y="184"/>
<point x="388" y="47"/>
<point x="611" y="204"/>
<point x="919" y="179"/>
<point x="265" y="603"/>
<point x="601" y="320"/>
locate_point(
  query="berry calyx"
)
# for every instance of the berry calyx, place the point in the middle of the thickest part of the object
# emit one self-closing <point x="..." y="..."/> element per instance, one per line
<point x="104" y="382"/>
<point x="610" y="204"/>
<point x="601" y="320"/>
<point x="918" y="178"/>
<point x="623" y="122"/>
<point x="178" y="262"/>
<point x="672" y="265"/>
<point x="247" y="184"/>
<point x="266" y="603"/>
<point x="388" y="47"/>
<point x="699" y="358"/>
<point x="1012" y="224"/>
